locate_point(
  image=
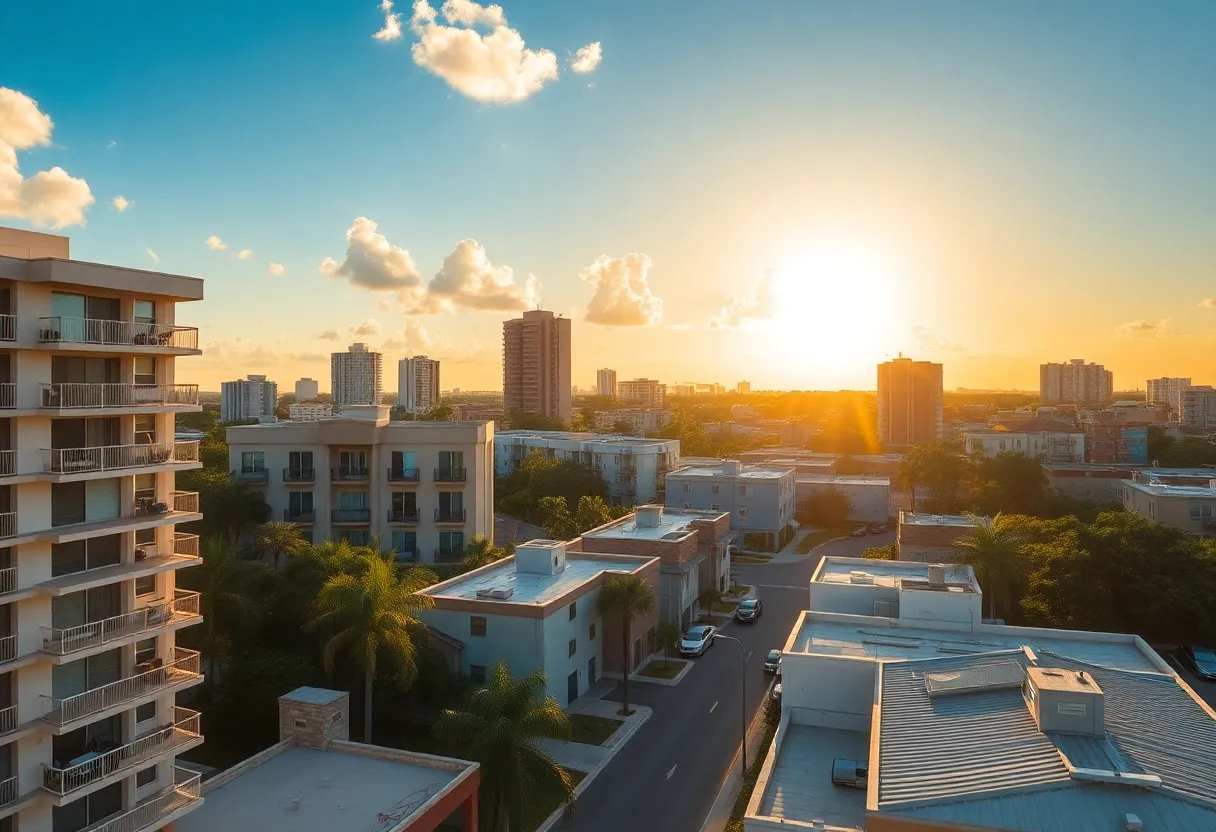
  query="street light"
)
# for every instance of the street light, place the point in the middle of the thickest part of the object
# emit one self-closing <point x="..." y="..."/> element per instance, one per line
<point x="743" y="706"/>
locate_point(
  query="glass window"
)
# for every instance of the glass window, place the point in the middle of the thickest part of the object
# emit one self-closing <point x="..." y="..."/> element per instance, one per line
<point x="145" y="712"/>
<point x="477" y="625"/>
<point x="145" y="429"/>
<point x="573" y="610"/>
<point x="687" y="489"/>
<point x="145" y="651"/>
<point x="477" y="674"/>
<point x="405" y="501"/>
<point x="450" y="461"/>
<point x="573" y="647"/>
<point x="145" y="586"/>
<point x="253" y="461"/>
<point x="145" y="777"/>
<point x="405" y="544"/>
<point x="357" y="537"/>
<point x="451" y="541"/>
<point x="714" y="489"/>
<point x="144" y="312"/>
<point x="743" y="512"/>
<point x="352" y="500"/>
<point x="591" y="633"/>
<point x="145" y="369"/>
<point x="299" y="503"/>
<point x="299" y="462"/>
<point x="145" y="486"/>
<point x="1201" y="511"/>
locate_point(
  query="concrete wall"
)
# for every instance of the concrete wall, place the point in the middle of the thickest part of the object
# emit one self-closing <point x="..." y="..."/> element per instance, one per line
<point x="840" y="686"/>
<point x="850" y="599"/>
<point x="769" y="502"/>
<point x="559" y="629"/>
<point x="1172" y="510"/>
<point x="517" y="640"/>
<point x="1097" y="489"/>
<point x="933" y="605"/>
<point x="870" y="503"/>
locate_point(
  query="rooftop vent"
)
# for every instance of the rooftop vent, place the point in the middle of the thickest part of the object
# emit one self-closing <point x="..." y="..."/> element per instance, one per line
<point x="1067" y="701"/>
<point x="730" y="467"/>
<point x="937" y="573"/>
<point x="497" y="594"/>
<point x="859" y="577"/>
<point x="1132" y="823"/>
<point x="983" y="677"/>
<point x="649" y="517"/>
<point x="849" y="773"/>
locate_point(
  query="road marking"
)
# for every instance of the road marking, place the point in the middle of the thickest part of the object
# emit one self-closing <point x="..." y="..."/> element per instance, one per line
<point x="711" y="710"/>
<point x="673" y="771"/>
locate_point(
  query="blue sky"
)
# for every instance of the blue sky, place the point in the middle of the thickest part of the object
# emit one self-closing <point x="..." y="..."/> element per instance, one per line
<point x="1025" y="180"/>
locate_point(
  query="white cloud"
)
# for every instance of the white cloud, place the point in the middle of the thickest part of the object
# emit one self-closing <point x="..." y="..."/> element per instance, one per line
<point x="243" y="254"/>
<point x="111" y="143"/>
<point x="277" y="270"/>
<point x="762" y="304"/>
<point x="1208" y="303"/>
<point x="152" y="254"/>
<point x="50" y="197"/>
<point x="587" y="59"/>
<point x="414" y="340"/>
<point x="369" y="327"/>
<point x="622" y="294"/>
<point x="372" y="263"/>
<point x="1142" y="329"/>
<point x="468" y="279"/>
<point x="328" y="335"/>
<point x="493" y="68"/>
<point x="121" y="203"/>
<point x="929" y="339"/>
<point x="216" y="244"/>
<point x="392" y="23"/>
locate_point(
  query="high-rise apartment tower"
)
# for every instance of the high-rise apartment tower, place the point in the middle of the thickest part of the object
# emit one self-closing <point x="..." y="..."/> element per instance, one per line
<point x="536" y="365"/>
<point x="909" y="402"/>
<point x="248" y="398"/>
<point x="356" y="376"/>
<point x="417" y="383"/>
<point x="307" y="389"/>
<point x="1075" y="383"/>
<point x="605" y="382"/>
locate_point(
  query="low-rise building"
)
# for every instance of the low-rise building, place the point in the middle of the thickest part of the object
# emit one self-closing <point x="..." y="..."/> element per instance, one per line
<point x="537" y="610"/>
<point x="931" y="536"/>
<point x="1038" y="438"/>
<point x="633" y="467"/>
<point x="1095" y="482"/>
<point x="309" y="411"/>
<point x="1191" y="508"/>
<point x="897" y="589"/>
<point x="644" y="392"/>
<point x="760" y="499"/>
<point x="693" y="548"/>
<point x="641" y="422"/>
<point x="869" y="497"/>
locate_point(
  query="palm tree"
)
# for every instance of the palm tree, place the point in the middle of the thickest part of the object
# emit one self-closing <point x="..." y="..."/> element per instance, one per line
<point x="499" y="730"/>
<point x="707" y="598"/>
<point x="227" y="585"/>
<point x="278" y="538"/>
<point x="480" y="550"/>
<point x="667" y="635"/>
<point x="911" y="473"/>
<point x="626" y="596"/>
<point x="992" y="551"/>
<point x="373" y="612"/>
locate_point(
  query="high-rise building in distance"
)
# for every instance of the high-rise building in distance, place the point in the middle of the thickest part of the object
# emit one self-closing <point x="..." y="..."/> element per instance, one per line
<point x="536" y="365"/>
<point x="1075" y="383"/>
<point x="605" y="382"/>
<point x="249" y="398"/>
<point x="643" y="392"/>
<point x="1197" y="407"/>
<point x="307" y="389"/>
<point x="417" y="383"/>
<point x="356" y="376"/>
<point x="909" y="402"/>
<point x="1168" y="391"/>
<point x="744" y="387"/>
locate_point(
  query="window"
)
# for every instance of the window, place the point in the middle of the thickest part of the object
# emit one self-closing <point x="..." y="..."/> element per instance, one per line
<point x="477" y="674"/>
<point x="145" y="651"/>
<point x="88" y="810"/>
<point x="1201" y="511"/>
<point x="145" y="369"/>
<point x="714" y="489"/>
<point x="573" y="610"/>
<point x="405" y="544"/>
<point x="451" y="463"/>
<point x="357" y="537"/>
<point x="404" y="464"/>
<point x="144" y="312"/>
<point x="299" y="463"/>
<point x="573" y="646"/>
<point x="145" y="487"/>
<point x="406" y="503"/>
<point x="451" y="504"/>
<point x="451" y="541"/>
<point x="145" y="586"/>
<point x="145" y="712"/>
<point x="253" y="461"/>
<point x="686" y="488"/>
<point x="67" y="558"/>
<point x="591" y="633"/>
<point x="742" y="512"/>
<point x="714" y="506"/>
<point x="353" y="500"/>
<point x="687" y="505"/>
<point x="299" y="504"/>
<point x="145" y="777"/>
<point x="477" y="625"/>
<point x="145" y="429"/>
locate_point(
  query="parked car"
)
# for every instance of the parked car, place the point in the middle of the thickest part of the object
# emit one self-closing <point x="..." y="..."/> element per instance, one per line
<point x="878" y="528"/>
<point x="748" y="610"/>
<point x="776" y="693"/>
<point x="860" y="531"/>
<point x="1199" y="660"/>
<point x="772" y="662"/>
<point x="697" y="640"/>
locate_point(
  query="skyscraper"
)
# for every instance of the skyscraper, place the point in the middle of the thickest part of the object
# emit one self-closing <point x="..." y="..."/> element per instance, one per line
<point x="643" y="392"/>
<point x="307" y="389"/>
<point x="605" y="382"/>
<point x="247" y="399"/>
<point x="417" y="383"/>
<point x="1168" y="391"/>
<point x="356" y="376"/>
<point x="536" y="364"/>
<point x="1075" y="383"/>
<point x="909" y="402"/>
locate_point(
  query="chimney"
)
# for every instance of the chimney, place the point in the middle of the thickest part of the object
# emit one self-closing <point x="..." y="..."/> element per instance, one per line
<point x="540" y="557"/>
<point x="649" y="517"/>
<point x="314" y="716"/>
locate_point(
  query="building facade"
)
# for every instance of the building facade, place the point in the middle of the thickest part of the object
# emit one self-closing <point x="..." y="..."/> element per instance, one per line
<point x="1042" y="439"/>
<point x="869" y="497"/>
<point x="642" y="392"/>
<point x="909" y="402"/>
<point x="423" y="488"/>
<point x="1075" y="383"/>
<point x="743" y="387"/>
<point x="536" y="365"/>
<point x="641" y="422"/>
<point x="417" y="383"/>
<point x="307" y="389"/>
<point x="931" y="536"/>
<point x="605" y="382"/>
<point x="89" y="667"/>
<point x="309" y="411"/>
<point x="250" y="398"/>
<point x="356" y="376"/>
<point x="760" y="499"/>
<point x="1198" y="408"/>
<point x="1168" y="392"/>
<point x="1190" y="508"/>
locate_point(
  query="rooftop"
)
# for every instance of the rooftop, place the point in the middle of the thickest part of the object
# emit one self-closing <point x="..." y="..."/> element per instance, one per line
<point x="578" y="436"/>
<point x="1181" y="491"/>
<point x="889" y="573"/>
<point x="673" y="524"/>
<point x="532" y="588"/>
<point x="752" y="472"/>
<point x="909" y="519"/>
<point x="1035" y="425"/>
<point x="799" y="785"/>
<point x="828" y="479"/>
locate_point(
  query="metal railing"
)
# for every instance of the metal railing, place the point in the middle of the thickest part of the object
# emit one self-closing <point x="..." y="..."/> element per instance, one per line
<point x="449" y="475"/>
<point x="185" y="728"/>
<point x="184" y="500"/>
<point x="448" y="555"/>
<point x="109" y="457"/>
<point x="350" y="515"/>
<point x="186" y="789"/>
<point x="8" y="327"/>
<point x="349" y="472"/>
<point x="185" y="666"/>
<point x="8" y="648"/>
<point x="65" y="641"/>
<point x="8" y="394"/>
<point x="9" y="792"/>
<point x="185" y="544"/>
<point x="8" y="580"/>
<point x="8" y="463"/>
<point x="403" y="515"/>
<point x="449" y="515"/>
<point x="299" y="474"/>
<point x="9" y="720"/>
<point x="404" y="475"/>
<point x="60" y="330"/>
<point x="299" y="516"/>
<point x="66" y="396"/>
<point x="254" y="475"/>
<point x="8" y="524"/>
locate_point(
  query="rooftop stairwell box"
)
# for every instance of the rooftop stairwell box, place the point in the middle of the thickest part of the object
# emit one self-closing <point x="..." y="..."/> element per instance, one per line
<point x="541" y="557"/>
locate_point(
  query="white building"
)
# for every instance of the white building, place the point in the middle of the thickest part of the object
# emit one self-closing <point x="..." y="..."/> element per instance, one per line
<point x="1042" y="439"/>
<point x="417" y="383"/>
<point x="605" y="382"/>
<point x="1198" y="408"/>
<point x="643" y="392"/>
<point x="89" y="667"/>
<point x="633" y="468"/>
<point x="307" y="389"/>
<point x="641" y="422"/>
<point x="1168" y="392"/>
<point x="869" y="497"/>
<point x="251" y="398"/>
<point x="356" y="376"/>
<point x="760" y="499"/>
<point x="423" y="488"/>
<point x="309" y="411"/>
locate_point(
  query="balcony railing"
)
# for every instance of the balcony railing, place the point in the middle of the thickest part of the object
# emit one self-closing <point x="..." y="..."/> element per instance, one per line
<point x="350" y="515"/>
<point x="61" y="330"/>
<point x="66" y="396"/>
<point x="8" y="524"/>
<point x="306" y="517"/>
<point x="9" y="792"/>
<point x="9" y="720"/>
<point x="407" y="555"/>
<point x="349" y="472"/>
<point x="184" y="500"/>
<point x="403" y="515"/>
<point x="8" y="394"/>
<point x="8" y="327"/>
<point x="449" y="515"/>
<point x="8" y="648"/>
<point x="449" y="475"/>
<point x="149" y="815"/>
<point x="184" y="667"/>
<point x="185" y="545"/>
<point x="185" y="728"/>
<point x="254" y="475"/>
<point x="8" y="463"/>
<point x="8" y="580"/>
<point x="178" y="501"/>
<point x="65" y="641"/>
<point x="299" y="475"/>
<point x="110" y="457"/>
<point x="403" y="475"/>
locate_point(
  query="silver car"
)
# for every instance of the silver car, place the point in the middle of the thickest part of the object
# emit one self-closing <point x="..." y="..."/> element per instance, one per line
<point x="697" y="639"/>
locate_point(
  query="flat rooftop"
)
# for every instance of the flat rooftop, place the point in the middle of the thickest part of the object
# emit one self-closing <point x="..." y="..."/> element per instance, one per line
<point x="909" y="519"/>
<point x="529" y="587"/>
<point x="504" y="436"/>
<point x="799" y="787"/>
<point x="888" y="572"/>
<point x="752" y="472"/>
<point x="673" y="525"/>
<point x="1181" y="491"/>
<point x="847" y="479"/>
<point x="337" y="790"/>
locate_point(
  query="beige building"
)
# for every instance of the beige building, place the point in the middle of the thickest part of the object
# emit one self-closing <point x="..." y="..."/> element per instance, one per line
<point x="605" y="382"/>
<point x="1075" y="382"/>
<point x="423" y="488"/>
<point x="1198" y="408"/>
<point x="417" y="383"/>
<point x="536" y="365"/>
<point x="309" y="411"/>
<point x="643" y="392"/>
<point x="909" y="402"/>
<point x="89" y="669"/>
<point x="1167" y="392"/>
<point x="356" y="376"/>
<point x="1191" y="508"/>
<point x="307" y="389"/>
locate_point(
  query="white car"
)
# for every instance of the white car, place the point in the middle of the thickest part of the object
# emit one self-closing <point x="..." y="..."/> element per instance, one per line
<point x="697" y="639"/>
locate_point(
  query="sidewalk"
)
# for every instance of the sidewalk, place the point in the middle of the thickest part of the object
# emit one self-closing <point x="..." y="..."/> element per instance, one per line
<point x="719" y="814"/>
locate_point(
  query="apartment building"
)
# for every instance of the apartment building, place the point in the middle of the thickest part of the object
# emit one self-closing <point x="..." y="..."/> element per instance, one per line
<point x="1198" y="408"/>
<point x="307" y="389"/>
<point x="641" y="422"/>
<point x="536" y="365"/>
<point x="309" y="411"/>
<point x="417" y="383"/>
<point x="909" y="402"/>
<point x="869" y="497"/>
<point x="743" y="387"/>
<point x="356" y="376"/>
<point x="1167" y="392"/>
<point x="537" y="610"/>
<point x="605" y="382"/>
<point x="642" y="392"/>
<point x="760" y="499"/>
<point x="1037" y="438"/>
<point x="1096" y="482"/>
<point x="923" y="536"/>
<point x="250" y="398"/>
<point x="89" y="608"/>
<point x="1075" y="382"/>
<point x="634" y="469"/>
<point x="1191" y="508"/>
<point x="423" y="488"/>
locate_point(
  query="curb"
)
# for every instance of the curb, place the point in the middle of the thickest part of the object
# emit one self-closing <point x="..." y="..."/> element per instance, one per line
<point x="653" y="680"/>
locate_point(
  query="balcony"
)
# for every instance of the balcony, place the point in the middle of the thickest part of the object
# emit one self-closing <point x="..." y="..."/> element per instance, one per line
<point x="153" y="681"/>
<point x="102" y="396"/>
<point x="449" y="515"/>
<point x="8" y="395"/>
<point x="8" y="327"/>
<point x="179" y="501"/>
<point x="404" y="475"/>
<point x="449" y="475"/>
<point x="254" y="476"/>
<point x="449" y="555"/>
<point x="303" y="518"/>
<point x="299" y="475"/>
<point x="8" y="580"/>
<point x="114" y="457"/>
<point x="349" y="473"/>
<point x="61" y="330"/>
<point x="406" y="515"/>
<point x="168" y="804"/>
<point x="65" y="642"/>
<point x="9" y="791"/>
<point x="8" y="720"/>
<point x="8" y="463"/>
<point x="351" y="516"/>
<point x="149" y="560"/>
<point x="8" y="648"/>
<point x="8" y="524"/>
<point x="184" y="731"/>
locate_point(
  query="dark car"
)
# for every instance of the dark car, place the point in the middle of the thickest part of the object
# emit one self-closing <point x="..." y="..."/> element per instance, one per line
<point x="1199" y="660"/>
<point x="772" y="662"/>
<point x="860" y="531"/>
<point x="748" y="610"/>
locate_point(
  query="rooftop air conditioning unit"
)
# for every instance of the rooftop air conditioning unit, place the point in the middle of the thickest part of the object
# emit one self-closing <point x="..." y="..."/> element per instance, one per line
<point x="849" y="773"/>
<point x="496" y="594"/>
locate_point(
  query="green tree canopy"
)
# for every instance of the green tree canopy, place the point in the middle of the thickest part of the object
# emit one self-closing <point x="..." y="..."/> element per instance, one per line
<point x="826" y="509"/>
<point x="537" y="476"/>
<point x="625" y="597"/>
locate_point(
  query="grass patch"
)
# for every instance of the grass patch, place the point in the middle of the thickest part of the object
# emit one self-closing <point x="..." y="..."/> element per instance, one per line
<point x="592" y="730"/>
<point x="538" y="809"/>
<point x="822" y="536"/>
<point x="735" y="824"/>
<point x="749" y="559"/>
<point x="656" y="669"/>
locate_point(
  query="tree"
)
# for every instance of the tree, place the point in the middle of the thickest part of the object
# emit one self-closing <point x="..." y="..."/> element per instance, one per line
<point x="441" y="412"/>
<point x="537" y="476"/>
<point x="1191" y="452"/>
<point x="911" y="473"/>
<point x="708" y="598"/>
<point x="827" y="509"/>
<point x="499" y="729"/>
<point x="592" y="513"/>
<point x="667" y="635"/>
<point x="1011" y="483"/>
<point x="278" y="538"/>
<point x="622" y="426"/>
<point x="480" y="550"/>
<point x="555" y="516"/>
<point x="992" y="551"/>
<point x="228" y="588"/>
<point x="229" y="504"/>
<point x="372" y="613"/>
<point x="520" y="420"/>
<point x="888" y="552"/>
<point x="283" y="407"/>
<point x="627" y="596"/>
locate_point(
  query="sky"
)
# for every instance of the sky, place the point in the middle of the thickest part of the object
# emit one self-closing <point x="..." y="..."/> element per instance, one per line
<point x="787" y="193"/>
